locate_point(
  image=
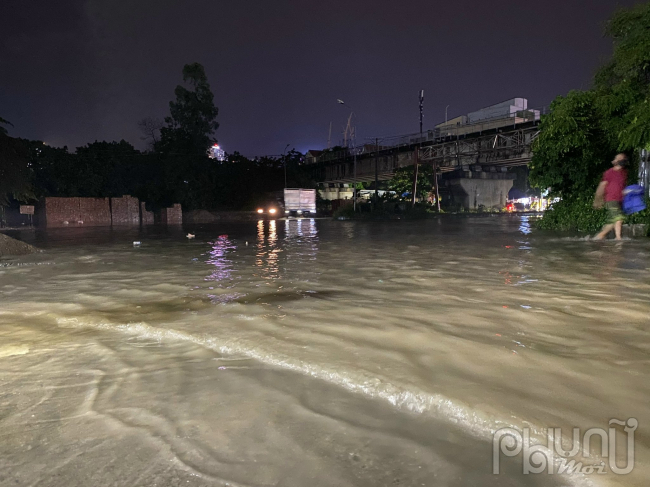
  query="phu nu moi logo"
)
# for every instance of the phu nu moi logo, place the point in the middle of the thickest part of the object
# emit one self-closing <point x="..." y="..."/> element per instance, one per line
<point x="553" y="458"/>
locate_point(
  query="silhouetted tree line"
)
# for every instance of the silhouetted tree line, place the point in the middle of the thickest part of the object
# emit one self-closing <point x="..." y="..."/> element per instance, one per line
<point x="175" y="169"/>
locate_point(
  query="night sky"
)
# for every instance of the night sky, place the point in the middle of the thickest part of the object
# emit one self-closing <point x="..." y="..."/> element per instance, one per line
<point x="72" y="72"/>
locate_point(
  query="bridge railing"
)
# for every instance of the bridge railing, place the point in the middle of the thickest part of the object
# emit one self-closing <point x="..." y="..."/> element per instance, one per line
<point x="327" y="156"/>
<point x="435" y="135"/>
<point x="445" y="132"/>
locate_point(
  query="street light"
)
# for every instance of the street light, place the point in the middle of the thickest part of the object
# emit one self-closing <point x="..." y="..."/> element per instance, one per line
<point x="354" y="155"/>
<point x="285" y="166"/>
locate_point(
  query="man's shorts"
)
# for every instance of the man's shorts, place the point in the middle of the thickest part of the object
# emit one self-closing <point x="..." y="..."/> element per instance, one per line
<point x="614" y="213"/>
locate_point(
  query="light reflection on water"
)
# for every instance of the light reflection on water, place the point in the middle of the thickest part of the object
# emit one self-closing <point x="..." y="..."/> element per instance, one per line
<point x="219" y="259"/>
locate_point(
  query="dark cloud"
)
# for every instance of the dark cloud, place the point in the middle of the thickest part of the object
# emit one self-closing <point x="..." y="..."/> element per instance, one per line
<point x="72" y="72"/>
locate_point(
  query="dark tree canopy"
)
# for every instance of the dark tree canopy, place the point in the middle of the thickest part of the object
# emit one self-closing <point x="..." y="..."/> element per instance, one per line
<point x="177" y="170"/>
<point x="3" y="130"/>
<point x="402" y="181"/>
<point x="15" y="173"/>
<point x="191" y="123"/>
<point x="585" y="129"/>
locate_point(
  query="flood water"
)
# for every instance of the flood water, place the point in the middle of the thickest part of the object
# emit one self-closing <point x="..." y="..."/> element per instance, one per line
<point x="317" y="353"/>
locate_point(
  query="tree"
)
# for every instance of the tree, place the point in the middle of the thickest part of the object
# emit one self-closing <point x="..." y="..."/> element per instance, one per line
<point x="623" y="84"/>
<point x="3" y="130"/>
<point x="15" y="173"/>
<point x="585" y="129"/>
<point x="150" y="128"/>
<point x="572" y="149"/>
<point x="187" y="172"/>
<point x="191" y="123"/>
<point x="106" y="169"/>
<point x="54" y="170"/>
<point x="402" y="181"/>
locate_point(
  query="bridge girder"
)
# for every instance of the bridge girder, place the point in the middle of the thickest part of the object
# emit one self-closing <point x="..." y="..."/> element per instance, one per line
<point x="507" y="148"/>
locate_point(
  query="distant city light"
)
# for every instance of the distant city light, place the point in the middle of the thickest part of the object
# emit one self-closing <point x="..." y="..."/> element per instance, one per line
<point x="216" y="152"/>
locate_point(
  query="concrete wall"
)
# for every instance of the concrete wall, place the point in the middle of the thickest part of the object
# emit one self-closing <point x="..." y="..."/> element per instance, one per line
<point x="125" y="210"/>
<point x="470" y="193"/>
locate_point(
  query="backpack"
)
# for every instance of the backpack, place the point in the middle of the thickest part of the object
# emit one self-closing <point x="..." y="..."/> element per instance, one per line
<point x="634" y="200"/>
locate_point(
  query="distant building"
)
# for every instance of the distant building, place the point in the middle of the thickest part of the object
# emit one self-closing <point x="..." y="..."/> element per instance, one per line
<point x="216" y="152"/>
<point x="515" y="107"/>
<point x="513" y="110"/>
<point x="502" y="114"/>
<point x="454" y="122"/>
<point x="312" y="156"/>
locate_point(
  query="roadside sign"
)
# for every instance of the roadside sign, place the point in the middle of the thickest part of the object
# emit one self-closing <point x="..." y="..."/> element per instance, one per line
<point x="26" y="209"/>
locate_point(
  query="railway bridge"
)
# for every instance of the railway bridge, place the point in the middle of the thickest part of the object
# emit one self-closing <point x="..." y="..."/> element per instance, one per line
<point x="471" y="161"/>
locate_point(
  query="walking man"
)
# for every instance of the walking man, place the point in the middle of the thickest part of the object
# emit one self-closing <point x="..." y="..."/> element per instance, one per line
<point x="610" y="191"/>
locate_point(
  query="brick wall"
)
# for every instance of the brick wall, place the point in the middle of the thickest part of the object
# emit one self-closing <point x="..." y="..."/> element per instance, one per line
<point x="95" y="212"/>
<point x="172" y="215"/>
<point x="147" y="216"/>
<point x="61" y="212"/>
<point x="125" y="210"/>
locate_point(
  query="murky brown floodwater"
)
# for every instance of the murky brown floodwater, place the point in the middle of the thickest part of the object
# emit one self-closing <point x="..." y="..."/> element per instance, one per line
<point x="316" y="352"/>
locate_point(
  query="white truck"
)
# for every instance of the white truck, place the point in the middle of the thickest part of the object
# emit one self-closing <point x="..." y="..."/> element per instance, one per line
<point x="299" y="201"/>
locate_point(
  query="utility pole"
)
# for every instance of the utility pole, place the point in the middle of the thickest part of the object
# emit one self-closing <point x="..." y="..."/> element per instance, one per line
<point x="376" y="172"/>
<point x="435" y="182"/>
<point x="354" y="189"/>
<point x="415" y="167"/>
<point x="415" y="179"/>
<point x="421" y="103"/>
<point x="285" y="165"/>
<point x="354" y="153"/>
<point x="329" y="138"/>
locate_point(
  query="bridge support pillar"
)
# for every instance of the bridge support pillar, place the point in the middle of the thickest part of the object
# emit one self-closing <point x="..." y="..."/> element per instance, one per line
<point x="472" y="190"/>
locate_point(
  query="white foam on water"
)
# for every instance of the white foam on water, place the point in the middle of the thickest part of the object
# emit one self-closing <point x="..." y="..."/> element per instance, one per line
<point x="11" y="350"/>
<point x="442" y="408"/>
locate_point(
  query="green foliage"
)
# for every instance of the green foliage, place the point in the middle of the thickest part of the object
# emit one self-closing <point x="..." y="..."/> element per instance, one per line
<point x="105" y="169"/>
<point x="573" y="214"/>
<point x="15" y="173"/>
<point x="3" y="130"/>
<point x="178" y="170"/>
<point x="579" y="214"/>
<point x="572" y="150"/>
<point x="623" y="84"/>
<point x="345" y="211"/>
<point x="191" y="123"/>
<point x="96" y="170"/>
<point x="584" y="130"/>
<point x="402" y="181"/>
<point x="387" y="210"/>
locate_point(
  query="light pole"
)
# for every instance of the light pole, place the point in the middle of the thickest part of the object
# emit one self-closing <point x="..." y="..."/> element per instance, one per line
<point x="354" y="155"/>
<point x="285" y="166"/>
